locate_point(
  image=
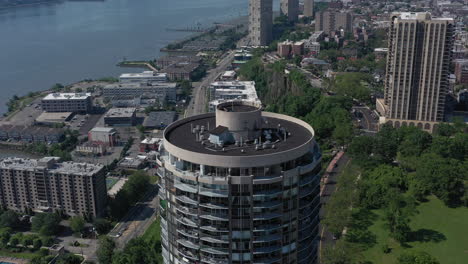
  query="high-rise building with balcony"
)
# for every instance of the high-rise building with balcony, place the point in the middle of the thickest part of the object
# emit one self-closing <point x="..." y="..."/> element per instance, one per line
<point x="47" y="185"/>
<point x="290" y="8"/>
<point x="330" y="21"/>
<point x="260" y="22"/>
<point x="417" y="78"/>
<point x="239" y="186"/>
<point x="309" y="8"/>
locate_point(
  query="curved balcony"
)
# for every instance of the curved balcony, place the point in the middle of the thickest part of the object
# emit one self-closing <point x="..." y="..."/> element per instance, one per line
<point x="186" y="187"/>
<point x="187" y="222"/>
<point x="215" y="251"/>
<point x="266" y="250"/>
<point x="266" y="238"/>
<point x="267" y="216"/>
<point x="215" y="217"/>
<point x="213" y="192"/>
<point x="186" y="199"/>
<point x="188" y="244"/>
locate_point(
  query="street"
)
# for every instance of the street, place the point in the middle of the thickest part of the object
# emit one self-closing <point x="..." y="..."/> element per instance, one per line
<point x="326" y="237"/>
<point x="137" y="220"/>
<point x="199" y="101"/>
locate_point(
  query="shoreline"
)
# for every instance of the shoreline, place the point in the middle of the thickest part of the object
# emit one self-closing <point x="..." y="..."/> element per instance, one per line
<point x="31" y="4"/>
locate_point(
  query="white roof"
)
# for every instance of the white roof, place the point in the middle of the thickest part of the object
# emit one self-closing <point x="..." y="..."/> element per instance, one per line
<point x="67" y="96"/>
<point x="150" y="141"/>
<point x="102" y="129"/>
<point x="144" y="74"/>
<point x="229" y="74"/>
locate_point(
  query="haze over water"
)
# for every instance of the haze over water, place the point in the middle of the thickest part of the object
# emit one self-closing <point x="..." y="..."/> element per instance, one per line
<point x="74" y="40"/>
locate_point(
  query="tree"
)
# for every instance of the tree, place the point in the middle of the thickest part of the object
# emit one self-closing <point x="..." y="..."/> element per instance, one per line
<point x="102" y="225"/>
<point x="48" y="241"/>
<point x="440" y="176"/>
<point x="414" y="141"/>
<point x="380" y="185"/>
<point x="5" y="234"/>
<point x="9" y="219"/>
<point x="418" y="257"/>
<point x="46" y="224"/>
<point x="14" y="241"/>
<point x="105" y="250"/>
<point x="340" y="253"/>
<point x="69" y="258"/>
<point x="37" y="243"/>
<point x="397" y="214"/>
<point x="27" y="240"/>
<point x="77" y="224"/>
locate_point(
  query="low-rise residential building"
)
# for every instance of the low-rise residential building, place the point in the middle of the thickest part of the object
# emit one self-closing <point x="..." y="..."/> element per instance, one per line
<point x="288" y="48"/>
<point x="461" y="71"/>
<point x="284" y="48"/>
<point x="48" y="185"/>
<point x="181" y="71"/>
<point x="103" y="136"/>
<point x="229" y="76"/>
<point x="312" y="47"/>
<point x="31" y="134"/>
<point x="91" y="149"/>
<point x="67" y="102"/>
<point x="120" y="117"/>
<point x="162" y="91"/>
<point x="149" y="144"/>
<point x="143" y="77"/>
<point x="380" y="53"/>
<point x="320" y="64"/>
<point x="134" y="163"/>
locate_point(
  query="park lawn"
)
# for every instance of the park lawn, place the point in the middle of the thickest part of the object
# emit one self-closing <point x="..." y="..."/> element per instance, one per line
<point x="153" y="233"/>
<point x="21" y="255"/>
<point x="449" y="225"/>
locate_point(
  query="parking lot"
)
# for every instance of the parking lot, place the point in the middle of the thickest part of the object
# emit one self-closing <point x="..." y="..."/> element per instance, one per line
<point x="26" y="116"/>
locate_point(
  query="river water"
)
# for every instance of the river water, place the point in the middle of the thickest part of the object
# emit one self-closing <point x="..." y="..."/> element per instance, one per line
<point x="69" y="41"/>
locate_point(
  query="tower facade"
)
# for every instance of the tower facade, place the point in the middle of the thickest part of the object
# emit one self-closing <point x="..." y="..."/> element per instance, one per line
<point x="309" y="8"/>
<point x="260" y="22"/>
<point x="330" y="21"/>
<point x="239" y="186"/>
<point x="418" y="60"/>
<point x="290" y="8"/>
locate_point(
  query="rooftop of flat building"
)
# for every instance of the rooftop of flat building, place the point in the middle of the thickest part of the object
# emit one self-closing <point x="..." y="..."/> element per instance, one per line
<point x="67" y="96"/>
<point x="419" y="16"/>
<point x="121" y="112"/>
<point x="144" y="74"/>
<point x="277" y="135"/>
<point x="103" y="129"/>
<point x="140" y="85"/>
<point x="52" y="165"/>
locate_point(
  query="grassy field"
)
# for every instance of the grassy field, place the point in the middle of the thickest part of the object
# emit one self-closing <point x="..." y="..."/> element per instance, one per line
<point x="153" y="232"/>
<point x="438" y="230"/>
<point x="21" y="255"/>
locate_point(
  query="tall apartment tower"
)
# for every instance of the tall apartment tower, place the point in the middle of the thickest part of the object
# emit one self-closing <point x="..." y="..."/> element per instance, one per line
<point x="260" y="22"/>
<point x="309" y="8"/>
<point x="418" y="60"/>
<point x="239" y="186"/>
<point x="330" y="21"/>
<point x="290" y="8"/>
<point x="47" y="185"/>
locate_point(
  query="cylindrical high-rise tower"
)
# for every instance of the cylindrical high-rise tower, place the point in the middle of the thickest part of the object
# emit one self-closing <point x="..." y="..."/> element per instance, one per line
<point x="239" y="186"/>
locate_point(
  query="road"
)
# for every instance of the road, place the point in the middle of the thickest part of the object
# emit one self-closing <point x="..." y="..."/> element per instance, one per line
<point x="138" y="219"/>
<point x="326" y="237"/>
<point x="199" y="98"/>
<point x="369" y="121"/>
